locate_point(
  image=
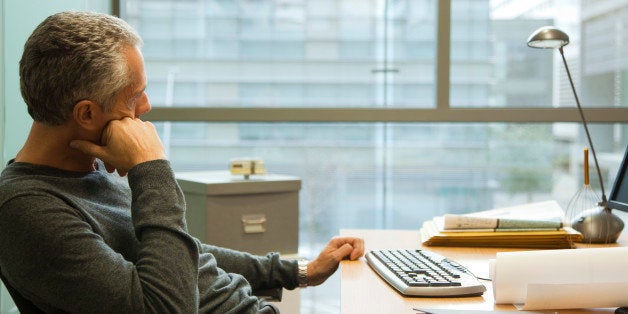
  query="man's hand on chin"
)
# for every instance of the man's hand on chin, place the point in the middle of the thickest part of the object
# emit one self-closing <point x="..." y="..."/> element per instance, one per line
<point x="125" y="143"/>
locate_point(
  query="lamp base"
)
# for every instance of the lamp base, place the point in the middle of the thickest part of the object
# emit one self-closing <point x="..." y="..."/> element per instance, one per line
<point x="598" y="226"/>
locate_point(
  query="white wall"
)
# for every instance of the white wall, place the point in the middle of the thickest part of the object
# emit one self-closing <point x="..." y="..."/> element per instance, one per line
<point x="18" y="18"/>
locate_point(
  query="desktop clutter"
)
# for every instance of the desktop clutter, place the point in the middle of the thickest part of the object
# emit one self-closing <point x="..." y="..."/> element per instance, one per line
<point x="590" y="277"/>
<point x="549" y="279"/>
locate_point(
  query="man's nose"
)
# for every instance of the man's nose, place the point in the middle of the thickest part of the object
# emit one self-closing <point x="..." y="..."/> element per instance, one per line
<point x="143" y="106"/>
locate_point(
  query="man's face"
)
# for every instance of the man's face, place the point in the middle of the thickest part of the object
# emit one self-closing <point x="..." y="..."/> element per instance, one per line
<point x="132" y="101"/>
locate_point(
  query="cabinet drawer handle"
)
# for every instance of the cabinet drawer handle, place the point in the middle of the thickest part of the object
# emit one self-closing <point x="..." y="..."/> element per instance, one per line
<point x="254" y="223"/>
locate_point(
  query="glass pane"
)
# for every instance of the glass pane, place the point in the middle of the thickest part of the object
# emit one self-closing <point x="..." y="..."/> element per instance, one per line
<point x="406" y="173"/>
<point x="375" y="175"/>
<point x="491" y="65"/>
<point x="310" y="53"/>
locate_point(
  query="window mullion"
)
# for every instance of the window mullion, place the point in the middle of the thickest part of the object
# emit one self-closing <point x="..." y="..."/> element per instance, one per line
<point x="443" y="36"/>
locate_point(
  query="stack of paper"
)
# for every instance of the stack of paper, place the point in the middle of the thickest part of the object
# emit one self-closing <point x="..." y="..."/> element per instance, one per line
<point x="517" y="230"/>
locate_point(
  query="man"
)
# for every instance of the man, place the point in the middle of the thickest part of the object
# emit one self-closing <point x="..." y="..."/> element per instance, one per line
<point x="77" y="237"/>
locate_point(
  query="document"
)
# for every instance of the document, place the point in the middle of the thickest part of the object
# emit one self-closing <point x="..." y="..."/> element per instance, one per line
<point x="473" y="223"/>
<point x="561" y="279"/>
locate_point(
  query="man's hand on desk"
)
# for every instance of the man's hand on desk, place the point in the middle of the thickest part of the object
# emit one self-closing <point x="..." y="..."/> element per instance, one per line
<point x="326" y="263"/>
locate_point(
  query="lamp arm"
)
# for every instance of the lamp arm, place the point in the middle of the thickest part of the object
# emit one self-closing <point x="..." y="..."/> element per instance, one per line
<point x="586" y="128"/>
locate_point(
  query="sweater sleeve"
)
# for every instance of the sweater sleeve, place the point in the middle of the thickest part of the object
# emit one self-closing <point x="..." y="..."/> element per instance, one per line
<point x="167" y="265"/>
<point x="262" y="272"/>
<point x="51" y="254"/>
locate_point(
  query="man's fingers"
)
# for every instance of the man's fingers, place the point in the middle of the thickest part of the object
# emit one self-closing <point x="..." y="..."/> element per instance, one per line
<point x="358" y="249"/>
<point x="344" y="251"/>
<point x="356" y="244"/>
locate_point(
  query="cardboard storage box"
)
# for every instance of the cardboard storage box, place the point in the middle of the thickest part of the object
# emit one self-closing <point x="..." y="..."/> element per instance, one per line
<point x="256" y="215"/>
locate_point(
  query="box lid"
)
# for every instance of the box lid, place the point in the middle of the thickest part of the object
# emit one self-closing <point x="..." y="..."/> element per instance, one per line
<point x="224" y="183"/>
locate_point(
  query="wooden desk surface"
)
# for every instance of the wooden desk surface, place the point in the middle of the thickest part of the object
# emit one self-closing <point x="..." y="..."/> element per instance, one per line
<point x="363" y="291"/>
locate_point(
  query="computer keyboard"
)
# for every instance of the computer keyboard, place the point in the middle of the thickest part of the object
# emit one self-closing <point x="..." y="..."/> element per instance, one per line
<point x="423" y="273"/>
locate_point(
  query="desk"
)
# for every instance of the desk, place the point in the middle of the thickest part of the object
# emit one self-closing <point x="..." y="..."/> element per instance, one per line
<point x="363" y="291"/>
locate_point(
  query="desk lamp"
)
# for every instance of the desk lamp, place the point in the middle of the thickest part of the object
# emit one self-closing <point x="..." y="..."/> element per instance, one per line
<point x="599" y="226"/>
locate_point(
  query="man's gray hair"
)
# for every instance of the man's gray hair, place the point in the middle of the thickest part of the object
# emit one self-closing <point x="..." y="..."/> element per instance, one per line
<point x="74" y="56"/>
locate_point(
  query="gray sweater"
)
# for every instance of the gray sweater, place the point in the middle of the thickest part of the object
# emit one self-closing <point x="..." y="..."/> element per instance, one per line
<point x="94" y="242"/>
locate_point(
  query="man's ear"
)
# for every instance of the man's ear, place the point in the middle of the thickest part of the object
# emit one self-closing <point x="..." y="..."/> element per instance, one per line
<point x="87" y="113"/>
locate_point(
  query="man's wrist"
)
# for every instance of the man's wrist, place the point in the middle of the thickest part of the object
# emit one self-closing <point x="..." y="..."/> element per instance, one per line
<point x="302" y="273"/>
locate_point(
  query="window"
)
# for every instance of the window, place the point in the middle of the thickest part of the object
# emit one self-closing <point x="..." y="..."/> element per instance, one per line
<point x="390" y="111"/>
